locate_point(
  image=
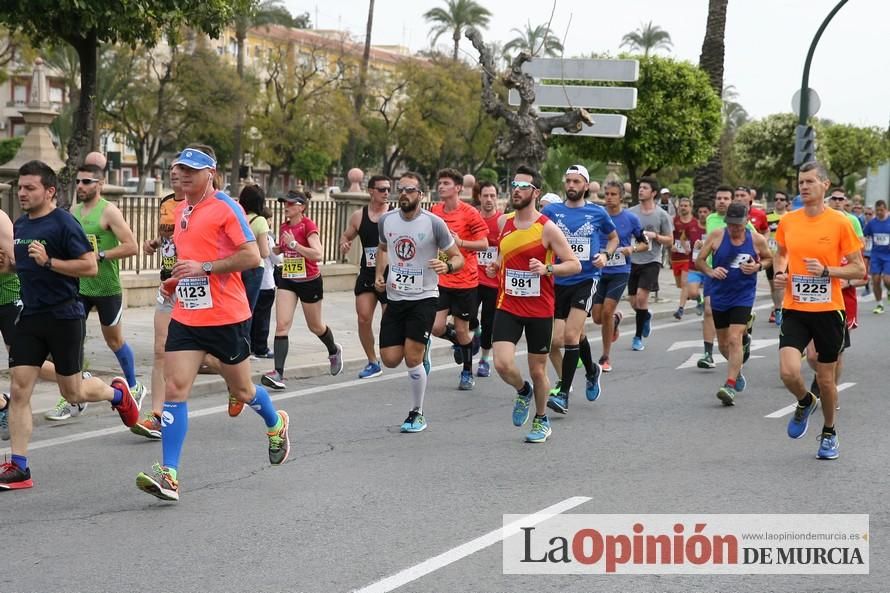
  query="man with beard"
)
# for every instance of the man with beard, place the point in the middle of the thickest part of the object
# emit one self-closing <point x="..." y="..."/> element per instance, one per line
<point x="112" y="240"/>
<point x="410" y="241"/>
<point x="525" y="270"/>
<point x="582" y="224"/>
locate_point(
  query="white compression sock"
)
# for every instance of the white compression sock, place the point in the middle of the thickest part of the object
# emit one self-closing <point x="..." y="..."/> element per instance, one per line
<point x="417" y="377"/>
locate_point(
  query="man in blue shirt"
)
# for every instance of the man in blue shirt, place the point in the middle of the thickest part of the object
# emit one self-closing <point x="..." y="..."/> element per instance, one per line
<point x="877" y="230"/>
<point x="583" y="224"/>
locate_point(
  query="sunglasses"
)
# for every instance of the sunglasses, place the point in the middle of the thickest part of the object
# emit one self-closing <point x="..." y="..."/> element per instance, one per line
<point x="522" y="185"/>
<point x="407" y="189"/>
<point x="384" y="190"/>
<point x="88" y="181"/>
<point x="781" y="199"/>
<point x="837" y="198"/>
<point x="184" y="220"/>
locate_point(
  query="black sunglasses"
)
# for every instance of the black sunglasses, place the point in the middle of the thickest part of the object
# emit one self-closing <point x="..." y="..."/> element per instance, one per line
<point x="87" y="181"/>
<point x="385" y="190"/>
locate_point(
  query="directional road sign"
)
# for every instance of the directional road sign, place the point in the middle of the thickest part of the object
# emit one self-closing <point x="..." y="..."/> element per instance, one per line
<point x="590" y="97"/>
<point x="579" y="69"/>
<point x="605" y="125"/>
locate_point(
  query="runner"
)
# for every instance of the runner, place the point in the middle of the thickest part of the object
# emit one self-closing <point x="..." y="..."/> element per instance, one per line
<point x="112" y="240"/>
<point x="457" y="292"/>
<point x="695" y="279"/>
<point x="812" y="242"/>
<point x="617" y="270"/>
<point x="253" y="199"/>
<point x="50" y="253"/>
<point x="738" y="254"/>
<point x="487" y="291"/>
<point x="150" y="425"/>
<point x="214" y="245"/>
<point x="877" y="230"/>
<point x="582" y="224"/>
<point x="410" y="239"/>
<point x="780" y="209"/>
<point x="299" y="280"/>
<point x="687" y="234"/>
<point x="262" y="313"/>
<point x="646" y="265"/>
<point x="526" y="298"/>
<point x="363" y="224"/>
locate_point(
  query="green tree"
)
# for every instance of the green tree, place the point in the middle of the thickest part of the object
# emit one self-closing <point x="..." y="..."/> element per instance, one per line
<point x="454" y="18"/>
<point x="534" y="41"/>
<point x="709" y="176"/>
<point x="255" y="13"/>
<point x="85" y="26"/>
<point x="763" y="151"/>
<point x="647" y="38"/>
<point x="851" y="149"/>
<point x="676" y="122"/>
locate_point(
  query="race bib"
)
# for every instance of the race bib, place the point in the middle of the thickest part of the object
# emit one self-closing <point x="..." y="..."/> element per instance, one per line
<point x="194" y="293"/>
<point x="293" y="267"/>
<point x="882" y="239"/>
<point x="810" y="289"/>
<point x="370" y="257"/>
<point x="680" y="246"/>
<point x="489" y="256"/>
<point x="580" y="247"/>
<point x="94" y="243"/>
<point x="616" y="259"/>
<point x="695" y="253"/>
<point x="522" y="283"/>
<point x="406" y="280"/>
<point x="773" y="245"/>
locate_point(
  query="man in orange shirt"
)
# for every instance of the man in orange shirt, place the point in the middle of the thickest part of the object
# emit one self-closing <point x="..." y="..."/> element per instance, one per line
<point x="812" y="243"/>
<point x="214" y="244"/>
<point x="457" y="291"/>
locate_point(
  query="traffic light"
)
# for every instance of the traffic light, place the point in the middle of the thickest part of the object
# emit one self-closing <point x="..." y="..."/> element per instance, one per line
<point x="804" y="145"/>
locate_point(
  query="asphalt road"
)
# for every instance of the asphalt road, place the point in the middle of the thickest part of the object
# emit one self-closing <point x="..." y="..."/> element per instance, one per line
<point x="357" y="502"/>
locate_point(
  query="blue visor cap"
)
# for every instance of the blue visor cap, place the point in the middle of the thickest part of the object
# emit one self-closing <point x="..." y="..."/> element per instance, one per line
<point x="195" y="159"/>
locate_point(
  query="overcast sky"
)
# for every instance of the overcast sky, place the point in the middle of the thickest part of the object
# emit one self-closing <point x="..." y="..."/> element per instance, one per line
<point x="766" y="41"/>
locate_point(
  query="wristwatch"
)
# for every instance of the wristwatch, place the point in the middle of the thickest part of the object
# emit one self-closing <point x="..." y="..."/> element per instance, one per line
<point x="207" y="266"/>
<point x="49" y="263"/>
<point x="825" y="272"/>
<point x="450" y="267"/>
<point x="549" y="269"/>
<point x="101" y="256"/>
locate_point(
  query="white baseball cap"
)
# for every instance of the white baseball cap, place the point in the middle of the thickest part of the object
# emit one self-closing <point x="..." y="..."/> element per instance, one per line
<point x="551" y="199"/>
<point x="665" y="190"/>
<point x="579" y="170"/>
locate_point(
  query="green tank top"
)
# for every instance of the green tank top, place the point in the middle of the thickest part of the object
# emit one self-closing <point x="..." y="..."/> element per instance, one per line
<point x="9" y="288"/>
<point x="108" y="281"/>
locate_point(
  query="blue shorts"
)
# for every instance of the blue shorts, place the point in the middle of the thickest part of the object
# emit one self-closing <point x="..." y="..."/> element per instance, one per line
<point x="695" y="277"/>
<point x="879" y="264"/>
<point x="611" y="286"/>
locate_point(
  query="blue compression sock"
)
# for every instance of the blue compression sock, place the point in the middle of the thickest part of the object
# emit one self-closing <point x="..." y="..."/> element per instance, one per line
<point x="262" y="405"/>
<point x="117" y="398"/>
<point x="21" y="461"/>
<point x="174" y="426"/>
<point x="128" y="363"/>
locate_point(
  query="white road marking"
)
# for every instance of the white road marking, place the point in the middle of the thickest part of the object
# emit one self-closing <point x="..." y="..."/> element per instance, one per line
<point x="471" y="547"/>
<point x="788" y="409"/>
<point x="692" y="361"/>
<point x="684" y="344"/>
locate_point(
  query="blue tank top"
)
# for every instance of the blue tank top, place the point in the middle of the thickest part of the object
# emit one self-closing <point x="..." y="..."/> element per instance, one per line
<point x="737" y="289"/>
<point x="584" y="227"/>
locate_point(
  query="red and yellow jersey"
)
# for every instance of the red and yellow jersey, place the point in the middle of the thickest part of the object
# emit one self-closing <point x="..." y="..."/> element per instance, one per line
<point x="827" y="237"/>
<point x="216" y="228"/>
<point x="521" y="292"/>
<point x="465" y="222"/>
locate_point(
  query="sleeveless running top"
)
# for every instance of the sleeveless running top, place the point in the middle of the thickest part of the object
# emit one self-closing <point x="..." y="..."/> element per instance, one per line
<point x="369" y="235"/>
<point x="107" y="282"/>
<point x="737" y="289"/>
<point x="521" y="292"/>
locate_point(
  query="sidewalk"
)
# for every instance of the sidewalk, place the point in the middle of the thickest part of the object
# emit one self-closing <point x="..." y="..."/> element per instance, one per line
<point x="307" y="356"/>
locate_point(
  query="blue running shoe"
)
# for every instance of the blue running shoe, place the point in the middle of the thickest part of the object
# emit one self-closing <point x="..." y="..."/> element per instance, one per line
<point x="467" y="382"/>
<point x="559" y="403"/>
<point x="637" y="344"/>
<point x="740" y="383"/>
<point x="726" y="394"/>
<point x="520" y="406"/>
<point x="427" y="362"/>
<point x="593" y="383"/>
<point x="540" y="430"/>
<point x="797" y="426"/>
<point x="484" y="369"/>
<point x="827" y="446"/>
<point x="415" y="422"/>
<point x="778" y="318"/>
<point x="372" y="369"/>
<point x="647" y="326"/>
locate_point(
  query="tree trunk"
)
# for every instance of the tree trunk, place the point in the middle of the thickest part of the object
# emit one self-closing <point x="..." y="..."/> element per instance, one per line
<point x="709" y="176"/>
<point x="456" y="38"/>
<point x="239" y="120"/>
<point x="82" y="134"/>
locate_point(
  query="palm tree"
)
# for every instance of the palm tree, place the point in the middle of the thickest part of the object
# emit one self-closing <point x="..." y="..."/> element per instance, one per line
<point x="713" y="50"/>
<point x="457" y="16"/>
<point x="734" y="115"/>
<point x="255" y="13"/>
<point x="534" y="41"/>
<point x="648" y="38"/>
